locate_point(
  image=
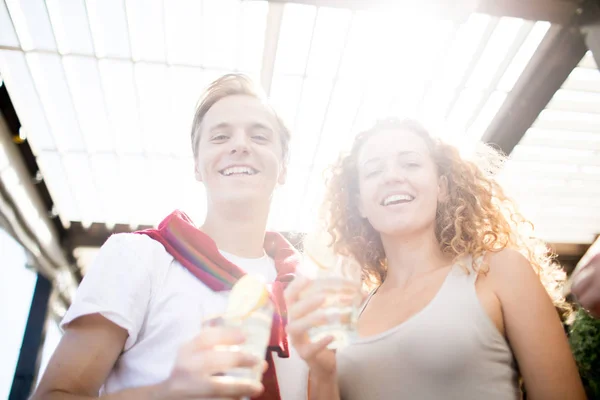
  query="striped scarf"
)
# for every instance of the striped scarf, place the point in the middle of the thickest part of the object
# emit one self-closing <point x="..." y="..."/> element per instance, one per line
<point x="197" y="252"/>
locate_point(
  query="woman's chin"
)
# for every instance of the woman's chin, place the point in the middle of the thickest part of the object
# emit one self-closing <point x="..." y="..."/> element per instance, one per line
<point x="404" y="230"/>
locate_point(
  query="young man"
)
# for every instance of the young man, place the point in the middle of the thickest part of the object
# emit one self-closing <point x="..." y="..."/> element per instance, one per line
<point x="134" y="329"/>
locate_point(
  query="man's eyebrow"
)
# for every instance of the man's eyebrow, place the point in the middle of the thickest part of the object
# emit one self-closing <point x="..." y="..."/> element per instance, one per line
<point x="261" y="125"/>
<point x="221" y="125"/>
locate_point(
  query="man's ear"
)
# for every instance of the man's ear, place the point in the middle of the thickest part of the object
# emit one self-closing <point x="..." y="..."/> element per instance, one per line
<point x="197" y="173"/>
<point x="282" y="175"/>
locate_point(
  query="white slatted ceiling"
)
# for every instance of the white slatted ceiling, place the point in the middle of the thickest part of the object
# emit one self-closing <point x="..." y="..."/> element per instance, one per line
<point x="554" y="172"/>
<point x="106" y="92"/>
<point x="375" y="67"/>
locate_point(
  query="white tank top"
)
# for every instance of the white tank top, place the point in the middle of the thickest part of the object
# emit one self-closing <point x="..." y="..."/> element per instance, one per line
<point x="449" y="350"/>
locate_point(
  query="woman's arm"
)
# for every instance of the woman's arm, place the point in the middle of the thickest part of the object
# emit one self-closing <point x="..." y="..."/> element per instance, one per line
<point x="303" y="315"/>
<point x="534" y="330"/>
<point x="322" y="387"/>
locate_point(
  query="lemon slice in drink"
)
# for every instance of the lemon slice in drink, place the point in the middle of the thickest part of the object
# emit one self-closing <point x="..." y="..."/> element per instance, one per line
<point x="317" y="246"/>
<point x="247" y="295"/>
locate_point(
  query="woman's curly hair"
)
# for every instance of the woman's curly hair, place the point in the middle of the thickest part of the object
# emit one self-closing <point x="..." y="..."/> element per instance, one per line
<point x="476" y="218"/>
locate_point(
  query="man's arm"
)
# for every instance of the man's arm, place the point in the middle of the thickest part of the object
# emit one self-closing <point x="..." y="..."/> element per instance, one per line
<point x="92" y="344"/>
<point x="83" y="359"/>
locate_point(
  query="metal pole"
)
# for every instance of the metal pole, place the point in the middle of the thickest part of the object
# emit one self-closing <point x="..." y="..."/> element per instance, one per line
<point x="33" y="341"/>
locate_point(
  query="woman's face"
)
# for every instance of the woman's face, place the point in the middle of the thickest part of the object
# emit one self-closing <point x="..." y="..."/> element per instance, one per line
<point x="399" y="187"/>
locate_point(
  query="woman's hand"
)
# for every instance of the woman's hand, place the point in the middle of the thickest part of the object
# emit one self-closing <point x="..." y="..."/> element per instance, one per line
<point x="304" y="314"/>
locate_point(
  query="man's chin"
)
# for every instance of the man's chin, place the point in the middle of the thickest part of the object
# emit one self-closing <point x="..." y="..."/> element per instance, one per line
<point x="245" y="197"/>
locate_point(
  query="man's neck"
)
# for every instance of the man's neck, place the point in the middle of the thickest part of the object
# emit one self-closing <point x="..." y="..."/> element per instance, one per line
<point x="237" y="230"/>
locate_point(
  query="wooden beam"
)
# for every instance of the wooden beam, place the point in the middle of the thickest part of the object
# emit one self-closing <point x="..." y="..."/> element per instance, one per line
<point x="569" y="254"/>
<point x="591" y="30"/>
<point x="555" y="11"/>
<point x="33" y="341"/>
<point x="560" y="51"/>
<point x="569" y="249"/>
<point x="95" y="235"/>
<point x="274" y="18"/>
<point x="98" y="233"/>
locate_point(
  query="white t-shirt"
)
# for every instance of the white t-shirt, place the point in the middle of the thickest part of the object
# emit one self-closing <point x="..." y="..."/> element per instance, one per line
<point x="135" y="283"/>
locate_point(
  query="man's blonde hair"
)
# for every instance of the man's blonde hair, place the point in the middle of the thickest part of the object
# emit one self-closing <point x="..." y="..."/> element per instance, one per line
<point x="231" y="85"/>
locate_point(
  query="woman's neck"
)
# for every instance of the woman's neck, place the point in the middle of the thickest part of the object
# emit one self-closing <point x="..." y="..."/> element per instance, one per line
<point x="412" y="256"/>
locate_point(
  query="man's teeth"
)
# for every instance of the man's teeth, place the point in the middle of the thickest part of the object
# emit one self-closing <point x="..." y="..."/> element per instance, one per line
<point x="238" y="170"/>
<point x="397" y="198"/>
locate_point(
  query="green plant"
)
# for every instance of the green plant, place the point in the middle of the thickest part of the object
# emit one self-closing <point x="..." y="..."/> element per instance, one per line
<point x="584" y="337"/>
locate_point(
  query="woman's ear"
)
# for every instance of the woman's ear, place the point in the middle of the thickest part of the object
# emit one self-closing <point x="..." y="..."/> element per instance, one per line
<point x="360" y="207"/>
<point x="443" y="191"/>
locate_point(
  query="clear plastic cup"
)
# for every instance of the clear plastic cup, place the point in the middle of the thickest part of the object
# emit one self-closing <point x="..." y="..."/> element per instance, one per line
<point x="256" y="327"/>
<point x="341" y="285"/>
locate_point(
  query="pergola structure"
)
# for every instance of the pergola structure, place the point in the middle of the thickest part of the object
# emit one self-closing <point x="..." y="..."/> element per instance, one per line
<point x="97" y="99"/>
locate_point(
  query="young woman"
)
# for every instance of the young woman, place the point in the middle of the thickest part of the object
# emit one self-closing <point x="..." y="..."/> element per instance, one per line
<point x="459" y="310"/>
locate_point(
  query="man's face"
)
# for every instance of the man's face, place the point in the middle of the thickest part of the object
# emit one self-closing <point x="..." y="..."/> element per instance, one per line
<point x="239" y="154"/>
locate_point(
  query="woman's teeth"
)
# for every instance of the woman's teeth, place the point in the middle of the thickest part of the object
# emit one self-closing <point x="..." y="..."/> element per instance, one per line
<point x="397" y="198"/>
